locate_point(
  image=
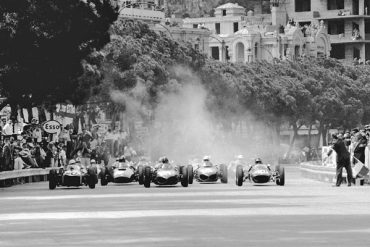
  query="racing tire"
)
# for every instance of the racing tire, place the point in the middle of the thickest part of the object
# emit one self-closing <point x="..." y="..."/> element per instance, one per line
<point x="147" y="176"/>
<point x="223" y="169"/>
<point x="185" y="177"/>
<point x="239" y="175"/>
<point x="281" y="172"/>
<point x="52" y="180"/>
<point x="92" y="178"/>
<point x="103" y="177"/>
<point x="190" y="174"/>
<point x="140" y="170"/>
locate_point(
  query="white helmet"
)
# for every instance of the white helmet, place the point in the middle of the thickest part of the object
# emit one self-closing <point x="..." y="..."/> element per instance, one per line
<point x="206" y="158"/>
<point x="240" y="157"/>
<point x="72" y="162"/>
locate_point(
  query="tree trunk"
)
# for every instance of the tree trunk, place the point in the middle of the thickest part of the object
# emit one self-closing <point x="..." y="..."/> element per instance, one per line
<point x="324" y="136"/>
<point x="309" y="136"/>
<point x="295" y="135"/>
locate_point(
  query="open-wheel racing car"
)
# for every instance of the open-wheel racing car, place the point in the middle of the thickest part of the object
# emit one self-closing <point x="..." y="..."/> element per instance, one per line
<point x="165" y="173"/>
<point x="260" y="173"/>
<point x="209" y="173"/>
<point x="73" y="175"/>
<point x="122" y="172"/>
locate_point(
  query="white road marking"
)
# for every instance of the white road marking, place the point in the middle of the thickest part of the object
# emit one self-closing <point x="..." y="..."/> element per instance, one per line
<point x="326" y="210"/>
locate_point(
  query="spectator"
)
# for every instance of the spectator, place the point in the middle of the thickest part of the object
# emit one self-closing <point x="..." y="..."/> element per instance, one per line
<point x="7" y="155"/>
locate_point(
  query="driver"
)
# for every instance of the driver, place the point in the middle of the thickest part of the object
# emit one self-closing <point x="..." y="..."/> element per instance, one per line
<point x="207" y="162"/>
<point x="163" y="163"/>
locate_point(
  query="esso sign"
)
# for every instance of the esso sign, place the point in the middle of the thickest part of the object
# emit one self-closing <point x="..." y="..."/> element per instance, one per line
<point x="51" y="127"/>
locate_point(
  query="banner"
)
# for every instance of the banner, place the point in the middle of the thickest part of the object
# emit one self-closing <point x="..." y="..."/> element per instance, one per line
<point x="331" y="161"/>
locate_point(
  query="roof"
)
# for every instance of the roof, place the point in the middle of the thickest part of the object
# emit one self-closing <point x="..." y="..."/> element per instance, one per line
<point x="230" y="6"/>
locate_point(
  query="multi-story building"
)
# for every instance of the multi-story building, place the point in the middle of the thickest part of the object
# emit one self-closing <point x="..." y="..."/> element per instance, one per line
<point x="153" y="13"/>
<point x="240" y="37"/>
<point x="347" y="22"/>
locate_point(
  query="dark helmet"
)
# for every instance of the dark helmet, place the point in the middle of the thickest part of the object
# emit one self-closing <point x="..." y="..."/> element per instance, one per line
<point x="121" y="159"/>
<point x="164" y="160"/>
<point x="258" y="161"/>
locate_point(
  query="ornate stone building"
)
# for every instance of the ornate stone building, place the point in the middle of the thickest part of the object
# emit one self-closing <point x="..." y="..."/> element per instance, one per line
<point x="239" y="37"/>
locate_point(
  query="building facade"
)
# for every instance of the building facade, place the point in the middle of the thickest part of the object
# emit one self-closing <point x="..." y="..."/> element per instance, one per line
<point x="240" y="37"/>
<point x="347" y="22"/>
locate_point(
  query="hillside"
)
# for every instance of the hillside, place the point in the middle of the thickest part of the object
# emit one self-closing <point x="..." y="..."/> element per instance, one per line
<point x="198" y="8"/>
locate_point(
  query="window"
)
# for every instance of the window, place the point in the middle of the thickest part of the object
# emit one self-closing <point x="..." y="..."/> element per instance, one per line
<point x="236" y="27"/>
<point x="224" y="12"/>
<point x="335" y="4"/>
<point x="336" y="27"/>
<point x="337" y="51"/>
<point x="195" y="25"/>
<point x="356" y="53"/>
<point x="196" y="47"/>
<point x="227" y="54"/>
<point x="215" y="52"/>
<point x="302" y="5"/>
<point x="218" y="28"/>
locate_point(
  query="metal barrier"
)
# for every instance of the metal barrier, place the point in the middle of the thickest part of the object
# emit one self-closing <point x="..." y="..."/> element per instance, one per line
<point x="28" y="175"/>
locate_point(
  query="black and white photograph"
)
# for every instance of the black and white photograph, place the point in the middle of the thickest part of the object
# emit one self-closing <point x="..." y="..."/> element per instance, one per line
<point x="185" y="123"/>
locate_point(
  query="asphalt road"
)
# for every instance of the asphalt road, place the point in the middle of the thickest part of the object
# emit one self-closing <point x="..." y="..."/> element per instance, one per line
<point x="302" y="213"/>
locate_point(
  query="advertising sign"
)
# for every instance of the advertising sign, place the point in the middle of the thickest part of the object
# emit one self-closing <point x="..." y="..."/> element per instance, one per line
<point x="51" y="127"/>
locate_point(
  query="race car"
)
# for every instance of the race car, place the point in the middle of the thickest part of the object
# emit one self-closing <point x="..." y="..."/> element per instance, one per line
<point x="207" y="172"/>
<point x="73" y="175"/>
<point x="122" y="172"/>
<point x="260" y="173"/>
<point x="168" y="174"/>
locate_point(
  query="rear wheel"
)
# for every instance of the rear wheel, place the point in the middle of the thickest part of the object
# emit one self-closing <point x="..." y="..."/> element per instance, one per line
<point x="52" y="179"/>
<point x="140" y="170"/>
<point x="147" y="176"/>
<point x="191" y="174"/>
<point x="223" y="169"/>
<point x="239" y="175"/>
<point x="92" y="177"/>
<point x="185" y="177"/>
<point x="281" y="173"/>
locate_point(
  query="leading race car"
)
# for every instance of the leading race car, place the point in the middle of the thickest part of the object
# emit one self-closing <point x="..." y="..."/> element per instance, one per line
<point x="165" y="173"/>
<point x="207" y="172"/>
<point x="73" y="175"/>
<point x="122" y="172"/>
<point x="260" y="173"/>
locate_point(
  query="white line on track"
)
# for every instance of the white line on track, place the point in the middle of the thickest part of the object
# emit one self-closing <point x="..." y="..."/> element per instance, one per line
<point x="181" y="212"/>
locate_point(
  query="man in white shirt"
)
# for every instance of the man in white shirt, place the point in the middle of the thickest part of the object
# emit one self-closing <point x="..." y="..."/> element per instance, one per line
<point x="8" y="128"/>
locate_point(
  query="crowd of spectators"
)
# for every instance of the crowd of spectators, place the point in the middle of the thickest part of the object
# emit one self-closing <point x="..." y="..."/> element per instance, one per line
<point x="29" y="146"/>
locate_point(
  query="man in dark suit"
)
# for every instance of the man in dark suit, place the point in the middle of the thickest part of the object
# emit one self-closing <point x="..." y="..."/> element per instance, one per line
<point x="343" y="159"/>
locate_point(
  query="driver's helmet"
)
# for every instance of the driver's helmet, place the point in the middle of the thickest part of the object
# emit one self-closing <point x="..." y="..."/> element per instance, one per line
<point x="72" y="162"/>
<point x="206" y="158"/>
<point x="258" y="161"/>
<point x="121" y="159"/>
<point x="164" y="160"/>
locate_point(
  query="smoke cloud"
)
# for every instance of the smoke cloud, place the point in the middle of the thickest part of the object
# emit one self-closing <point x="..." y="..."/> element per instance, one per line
<point x="183" y="128"/>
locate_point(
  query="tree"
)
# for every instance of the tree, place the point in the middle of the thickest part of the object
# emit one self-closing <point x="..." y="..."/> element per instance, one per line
<point x="43" y="47"/>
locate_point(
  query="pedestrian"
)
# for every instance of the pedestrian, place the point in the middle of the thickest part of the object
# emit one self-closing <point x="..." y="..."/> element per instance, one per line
<point x="343" y="160"/>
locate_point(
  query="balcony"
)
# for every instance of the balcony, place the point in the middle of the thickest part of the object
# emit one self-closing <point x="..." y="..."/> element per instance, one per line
<point x="346" y="38"/>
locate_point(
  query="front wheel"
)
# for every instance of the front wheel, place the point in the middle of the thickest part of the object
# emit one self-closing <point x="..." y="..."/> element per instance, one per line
<point x="223" y="169"/>
<point x="52" y="179"/>
<point x="281" y="173"/>
<point x="239" y="175"/>
<point x="92" y="177"/>
<point x="103" y="177"/>
<point x="185" y="177"/>
<point x="147" y="176"/>
<point x="140" y="170"/>
<point x="191" y="174"/>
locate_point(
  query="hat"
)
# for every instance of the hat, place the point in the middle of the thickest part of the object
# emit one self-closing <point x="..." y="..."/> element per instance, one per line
<point x="355" y="130"/>
<point x="334" y="136"/>
<point x="92" y="161"/>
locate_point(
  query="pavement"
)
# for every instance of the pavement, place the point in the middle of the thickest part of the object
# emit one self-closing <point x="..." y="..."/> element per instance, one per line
<point x="303" y="212"/>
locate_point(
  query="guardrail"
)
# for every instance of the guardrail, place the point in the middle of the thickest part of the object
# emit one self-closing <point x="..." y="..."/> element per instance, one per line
<point x="316" y="171"/>
<point x="29" y="176"/>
